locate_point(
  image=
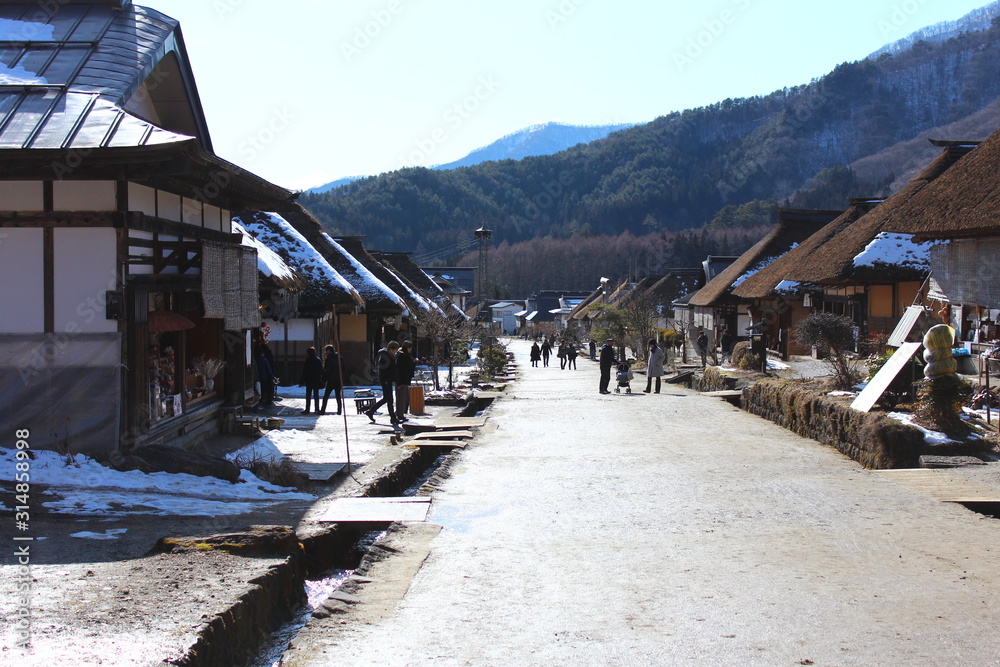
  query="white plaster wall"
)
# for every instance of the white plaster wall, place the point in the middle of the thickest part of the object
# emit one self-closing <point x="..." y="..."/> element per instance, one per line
<point x="298" y="330"/>
<point x="191" y="212"/>
<point x="169" y="205"/>
<point x="84" y="196"/>
<point x="21" y="196"/>
<point x="213" y="217"/>
<point x="141" y="198"/>
<point x="22" y="300"/>
<point x="84" y="261"/>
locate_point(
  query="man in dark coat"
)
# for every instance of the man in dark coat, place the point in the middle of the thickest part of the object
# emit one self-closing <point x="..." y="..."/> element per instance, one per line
<point x="405" y="368"/>
<point x="385" y="365"/>
<point x="333" y="374"/>
<point x="312" y="378"/>
<point x="546" y="352"/>
<point x="265" y="373"/>
<point x="702" y="344"/>
<point x="607" y="362"/>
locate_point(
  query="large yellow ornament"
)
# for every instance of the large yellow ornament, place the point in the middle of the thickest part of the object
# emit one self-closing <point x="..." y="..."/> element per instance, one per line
<point x="938" y="342"/>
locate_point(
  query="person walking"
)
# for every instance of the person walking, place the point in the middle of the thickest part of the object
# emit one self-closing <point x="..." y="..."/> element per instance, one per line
<point x="654" y="366"/>
<point x="536" y="354"/>
<point x="385" y="365"/>
<point x="312" y="379"/>
<point x="563" y="354"/>
<point x="607" y="362"/>
<point x="405" y="368"/>
<point x="702" y="344"/>
<point x="726" y="340"/>
<point x="593" y="350"/>
<point x="546" y="352"/>
<point x="265" y="373"/>
<point x="571" y="354"/>
<point x="333" y="373"/>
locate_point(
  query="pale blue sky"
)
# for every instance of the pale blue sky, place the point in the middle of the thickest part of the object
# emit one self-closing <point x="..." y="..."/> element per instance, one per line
<point x="306" y="91"/>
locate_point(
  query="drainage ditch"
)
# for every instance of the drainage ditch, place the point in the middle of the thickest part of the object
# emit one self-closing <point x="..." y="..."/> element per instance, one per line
<point x="319" y="565"/>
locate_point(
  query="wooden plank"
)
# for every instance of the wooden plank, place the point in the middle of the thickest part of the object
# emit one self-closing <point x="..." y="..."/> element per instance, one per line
<point x="454" y="423"/>
<point x="377" y="510"/>
<point x="444" y="435"/>
<point x="869" y="396"/>
<point x="318" y="472"/>
<point x="454" y="444"/>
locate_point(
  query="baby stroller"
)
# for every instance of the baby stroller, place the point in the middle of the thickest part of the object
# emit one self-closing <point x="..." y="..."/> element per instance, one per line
<point x="624" y="377"/>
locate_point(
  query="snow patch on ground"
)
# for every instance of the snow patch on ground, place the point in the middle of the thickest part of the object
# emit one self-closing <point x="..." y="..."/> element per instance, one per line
<point x="109" y="534"/>
<point x="84" y="486"/>
<point x="930" y="437"/>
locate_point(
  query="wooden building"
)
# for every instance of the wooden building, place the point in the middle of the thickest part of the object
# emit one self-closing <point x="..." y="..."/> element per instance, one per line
<point x="115" y="228"/>
<point x="861" y="264"/>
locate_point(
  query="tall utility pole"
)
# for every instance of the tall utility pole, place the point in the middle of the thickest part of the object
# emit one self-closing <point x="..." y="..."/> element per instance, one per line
<point x="483" y="236"/>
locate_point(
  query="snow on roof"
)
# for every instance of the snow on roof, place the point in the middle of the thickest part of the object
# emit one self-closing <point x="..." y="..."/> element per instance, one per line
<point x="364" y="280"/>
<point x="787" y="287"/>
<point x="760" y="265"/>
<point x="26" y="31"/>
<point x="889" y="248"/>
<point x="278" y="234"/>
<point x="269" y="262"/>
<point x="505" y="304"/>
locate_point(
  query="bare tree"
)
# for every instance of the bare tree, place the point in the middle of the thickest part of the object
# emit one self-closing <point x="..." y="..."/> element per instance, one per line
<point x="443" y="328"/>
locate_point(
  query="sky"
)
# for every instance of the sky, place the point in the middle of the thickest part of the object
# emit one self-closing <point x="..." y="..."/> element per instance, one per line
<point x="308" y="91"/>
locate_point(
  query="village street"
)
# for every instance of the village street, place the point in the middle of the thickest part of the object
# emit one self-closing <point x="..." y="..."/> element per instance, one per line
<point x="666" y="529"/>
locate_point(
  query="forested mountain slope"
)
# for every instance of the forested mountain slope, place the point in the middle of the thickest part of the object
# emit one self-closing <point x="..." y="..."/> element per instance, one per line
<point x="678" y="171"/>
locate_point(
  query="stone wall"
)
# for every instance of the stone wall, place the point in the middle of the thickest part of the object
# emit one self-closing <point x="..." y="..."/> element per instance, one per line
<point x="873" y="440"/>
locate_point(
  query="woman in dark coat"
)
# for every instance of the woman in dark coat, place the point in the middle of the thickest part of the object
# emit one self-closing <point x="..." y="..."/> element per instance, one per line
<point x="332" y="373"/>
<point x="536" y="354"/>
<point x="312" y="378"/>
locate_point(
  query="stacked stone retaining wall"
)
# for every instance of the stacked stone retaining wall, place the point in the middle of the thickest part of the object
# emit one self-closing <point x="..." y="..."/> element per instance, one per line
<point x="873" y="440"/>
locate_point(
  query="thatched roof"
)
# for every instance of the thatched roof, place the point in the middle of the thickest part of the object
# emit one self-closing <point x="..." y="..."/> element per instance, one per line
<point x="324" y="285"/>
<point x="407" y="269"/>
<point x="677" y="283"/>
<point x="836" y="260"/>
<point x="583" y="307"/>
<point x="415" y="302"/>
<point x="794" y="226"/>
<point x="378" y="297"/>
<point x="964" y="201"/>
<point x="794" y="264"/>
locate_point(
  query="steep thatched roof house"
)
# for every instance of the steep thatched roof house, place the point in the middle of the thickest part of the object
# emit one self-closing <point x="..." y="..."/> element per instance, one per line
<point x="716" y="307"/>
<point x="860" y="265"/>
<point x="326" y="293"/>
<point x="959" y="214"/>
<point x="116" y="222"/>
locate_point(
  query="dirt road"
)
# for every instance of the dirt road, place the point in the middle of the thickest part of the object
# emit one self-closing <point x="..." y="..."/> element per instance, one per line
<point x="667" y="529"/>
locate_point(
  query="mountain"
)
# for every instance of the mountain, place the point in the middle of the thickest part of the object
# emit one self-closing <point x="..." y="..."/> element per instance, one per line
<point x="680" y="170"/>
<point x="974" y="21"/>
<point x="542" y="139"/>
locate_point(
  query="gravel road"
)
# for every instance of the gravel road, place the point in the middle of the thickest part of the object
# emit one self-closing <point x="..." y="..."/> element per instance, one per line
<point x="667" y="529"/>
